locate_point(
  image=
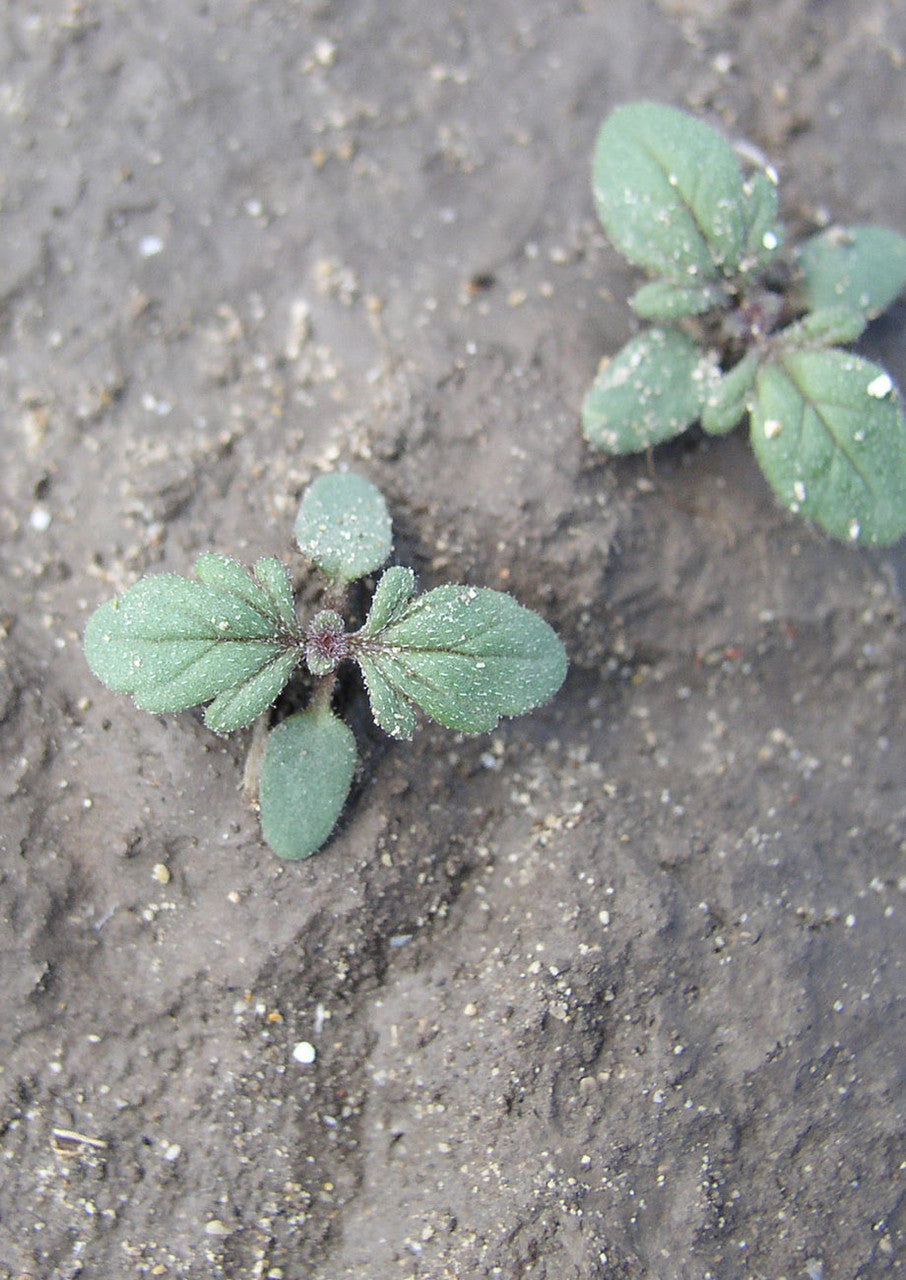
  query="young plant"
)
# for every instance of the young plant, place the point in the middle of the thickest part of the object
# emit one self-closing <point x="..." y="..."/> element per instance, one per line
<point x="739" y="325"/>
<point x="233" y="639"/>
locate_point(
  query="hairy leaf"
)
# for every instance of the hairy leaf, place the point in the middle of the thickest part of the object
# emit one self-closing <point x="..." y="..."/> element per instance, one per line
<point x="391" y="595"/>
<point x="390" y="704"/>
<point x="859" y="267"/>
<point x="729" y="396"/>
<point x="667" y="300"/>
<point x="244" y="703"/>
<point x="306" y="773"/>
<point x="764" y="232"/>
<point x="465" y="655"/>
<point x="653" y="389"/>
<point x="343" y="526"/>
<point x="175" y="643"/>
<point x="826" y="327"/>
<point x="829" y="433"/>
<point x="669" y="192"/>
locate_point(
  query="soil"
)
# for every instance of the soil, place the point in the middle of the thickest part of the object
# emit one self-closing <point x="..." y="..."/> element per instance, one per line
<point x="616" y="992"/>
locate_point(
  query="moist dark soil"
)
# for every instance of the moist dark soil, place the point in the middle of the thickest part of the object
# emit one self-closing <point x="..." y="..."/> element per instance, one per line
<point x="615" y="993"/>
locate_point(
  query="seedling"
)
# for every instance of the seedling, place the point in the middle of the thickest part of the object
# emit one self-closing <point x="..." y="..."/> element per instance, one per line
<point x="233" y="639"/>
<point x="741" y="325"/>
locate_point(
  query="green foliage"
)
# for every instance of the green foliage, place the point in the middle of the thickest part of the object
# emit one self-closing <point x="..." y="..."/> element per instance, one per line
<point x="670" y="193"/>
<point x="859" y="267"/>
<point x="174" y="643"/>
<point x="308" y="767"/>
<point x="343" y="526"/>
<point x="465" y="655"/>
<point x="649" y="392"/>
<point x="827" y="430"/>
<point x="739" y="332"/>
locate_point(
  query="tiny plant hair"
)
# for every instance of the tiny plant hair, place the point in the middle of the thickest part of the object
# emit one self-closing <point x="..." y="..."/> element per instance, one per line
<point x="741" y="325"/>
<point x="231" y="638"/>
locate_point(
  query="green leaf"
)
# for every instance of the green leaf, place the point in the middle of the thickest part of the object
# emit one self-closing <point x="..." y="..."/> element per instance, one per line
<point x="764" y="234"/>
<point x="729" y="396"/>
<point x="269" y="592"/>
<point x="666" y="300"/>
<point x="174" y="643"/>
<point x="669" y="192"/>
<point x="275" y="580"/>
<point x="394" y="591"/>
<point x="392" y="710"/>
<point x="829" y="433"/>
<point x="859" y="267"/>
<point x="307" y="770"/>
<point x="344" y="527"/>
<point x="826" y="327"/>
<point x="653" y="389"/>
<point x="465" y="655"/>
<point x="244" y="703"/>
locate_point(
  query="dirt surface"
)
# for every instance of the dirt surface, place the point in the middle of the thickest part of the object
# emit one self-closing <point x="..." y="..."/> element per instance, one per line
<point x="616" y="992"/>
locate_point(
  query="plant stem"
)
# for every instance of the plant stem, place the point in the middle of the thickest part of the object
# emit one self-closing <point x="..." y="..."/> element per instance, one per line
<point x="324" y="687"/>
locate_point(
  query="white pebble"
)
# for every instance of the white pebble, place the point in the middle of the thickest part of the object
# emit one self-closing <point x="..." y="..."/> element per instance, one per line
<point x="305" y="1053"/>
<point x="880" y="386"/>
<point x="40" y="519"/>
<point x="150" y="246"/>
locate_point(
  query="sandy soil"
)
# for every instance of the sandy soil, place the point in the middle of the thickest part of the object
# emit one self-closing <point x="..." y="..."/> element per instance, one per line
<point x="615" y="993"/>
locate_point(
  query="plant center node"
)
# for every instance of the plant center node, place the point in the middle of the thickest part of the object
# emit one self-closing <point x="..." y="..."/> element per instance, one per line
<point x="326" y="642"/>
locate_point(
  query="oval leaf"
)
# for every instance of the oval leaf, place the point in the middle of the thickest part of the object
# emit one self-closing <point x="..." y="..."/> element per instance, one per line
<point x="394" y="591"/>
<point x="729" y="397"/>
<point x="829" y="433"/>
<point x="764" y="233"/>
<point x="669" y="192"/>
<point x="859" y="267"/>
<point x="343" y="526"/>
<point x="174" y="643"/>
<point x="653" y="389"/>
<point x="390" y="706"/>
<point x="826" y="327"/>
<point x="246" y="702"/>
<point x="306" y="773"/>
<point x="666" y="300"/>
<point x="465" y="655"/>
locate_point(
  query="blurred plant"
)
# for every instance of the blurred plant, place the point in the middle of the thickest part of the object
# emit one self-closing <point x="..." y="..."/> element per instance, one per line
<point x="232" y="639"/>
<point x="742" y="326"/>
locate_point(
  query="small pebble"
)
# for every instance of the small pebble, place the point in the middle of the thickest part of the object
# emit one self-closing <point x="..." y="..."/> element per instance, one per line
<point x="880" y="387"/>
<point x="161" y="873"/>
<point x="305" y="1053"/>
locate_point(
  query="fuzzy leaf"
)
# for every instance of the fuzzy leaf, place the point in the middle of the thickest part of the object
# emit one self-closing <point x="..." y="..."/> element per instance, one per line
<point x="829" y="433"/>
<point x="669" y="192"/>
<point x="666" y="300"/>
<point x="269" y="592"/>
<point x="729" y="396"/>
<point x="246" y="702"/>
<point x="275" y="580"/>
<point x="764" y="232"/>
<point x="859" y="267"/>
<point x="343" y="526"/>
<point x="390" y="706"/>
<point x="394" y="591"/>
<point x="175" y="643"/>
<point x="826" y="327"/>
<point x="465" y="655"/>
<point x="307" y="770"/>
<point x="653" y="389"/>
